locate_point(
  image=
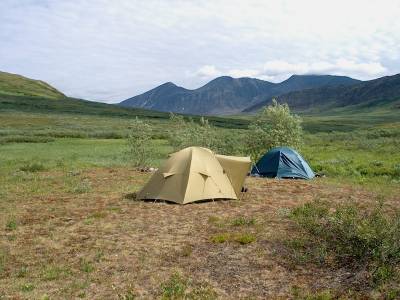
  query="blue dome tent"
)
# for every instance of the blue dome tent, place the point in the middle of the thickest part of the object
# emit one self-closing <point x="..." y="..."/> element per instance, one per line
<point x="282" y="162"/>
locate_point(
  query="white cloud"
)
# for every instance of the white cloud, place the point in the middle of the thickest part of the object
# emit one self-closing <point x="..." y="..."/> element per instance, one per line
<point x="208" y="71"/>
<point x="348" y="66"/>
<point x="278" y="70"/>
<point x="243" y="73"/>
<point x="278" y="67"/>
<point x="339" y="67"/>
<point x="110" y="50"/>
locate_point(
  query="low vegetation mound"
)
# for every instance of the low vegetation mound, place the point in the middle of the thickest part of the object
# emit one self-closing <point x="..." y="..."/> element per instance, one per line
<point x="367" y="242"/>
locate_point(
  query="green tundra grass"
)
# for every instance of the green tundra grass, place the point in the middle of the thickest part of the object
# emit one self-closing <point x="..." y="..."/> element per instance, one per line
<point x="361" y="147"/>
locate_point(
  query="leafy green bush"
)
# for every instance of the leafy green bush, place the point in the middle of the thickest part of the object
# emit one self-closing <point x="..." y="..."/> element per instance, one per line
<point x="140" y="148"/>
<point x="220" y="238"/>
<point x="33" y="167"/>
<point x="244" y="238"/>
<point x="86" y="266"/>
<point x="186" y="133"/>
<point x="53" y="272"/>
<point x="378" y="170"/>
<point x="238" y="237"/>
<point x="175" y="287"/>
<point x="11" y="225"/>
<point x="351" y="237"/>
<point x="27" y="287"/>
<point x="274" y="126"/>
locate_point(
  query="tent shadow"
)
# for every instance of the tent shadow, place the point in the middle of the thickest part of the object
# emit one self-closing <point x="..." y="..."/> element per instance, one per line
<point x="133" y="197"/>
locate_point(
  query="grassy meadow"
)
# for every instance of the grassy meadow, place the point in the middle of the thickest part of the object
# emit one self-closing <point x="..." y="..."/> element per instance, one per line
<point x="70" y="227"/>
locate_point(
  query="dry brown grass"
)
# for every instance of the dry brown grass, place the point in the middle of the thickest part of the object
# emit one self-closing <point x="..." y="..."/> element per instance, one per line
<point x="101" y="244"/>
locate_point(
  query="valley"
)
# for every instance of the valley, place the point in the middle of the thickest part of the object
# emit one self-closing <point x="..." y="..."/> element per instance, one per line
<point x="71" y="226"/>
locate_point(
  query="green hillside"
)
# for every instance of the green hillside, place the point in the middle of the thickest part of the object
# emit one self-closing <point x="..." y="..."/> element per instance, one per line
<point x="71" y="106"/>
<point x="12" y="84"/>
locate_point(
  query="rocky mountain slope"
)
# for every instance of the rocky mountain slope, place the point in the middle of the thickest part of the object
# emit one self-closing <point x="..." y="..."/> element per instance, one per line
<point x="227" y="95"/>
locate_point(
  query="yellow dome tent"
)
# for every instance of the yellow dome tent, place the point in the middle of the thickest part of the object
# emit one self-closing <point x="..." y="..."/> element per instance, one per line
<point x="194" y="174"/>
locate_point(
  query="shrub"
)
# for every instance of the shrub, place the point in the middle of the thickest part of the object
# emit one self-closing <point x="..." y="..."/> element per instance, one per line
<point x="244" y="238"/>
<point x="86" y="266"/>
<point x="52" y="272"/>
<point x="351" y="237"/>
<point x="11" y="225"/>
<point x="220" y="238"/>
<point x="241" y="238"/>
<point x="274" y="126"/>
<point x="187" y="133"/>
<point x="27" y="287"/>
<point x="140" y="149"/>
<point x="33" y="167"/>
<point x="174" y="288"/>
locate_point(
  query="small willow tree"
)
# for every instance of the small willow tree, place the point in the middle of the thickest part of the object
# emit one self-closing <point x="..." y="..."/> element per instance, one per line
<point x="140" y="151"/>
<point x="274" y="126"/>
<point x="185" y="133"/>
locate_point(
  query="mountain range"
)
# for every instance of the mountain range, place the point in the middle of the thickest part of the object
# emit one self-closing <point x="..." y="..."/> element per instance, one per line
<point x="227" y="95"/>
<point x="361" y="94"/>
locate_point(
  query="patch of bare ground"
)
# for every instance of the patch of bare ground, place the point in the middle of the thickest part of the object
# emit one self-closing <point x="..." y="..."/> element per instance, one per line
<point x="98" y="243"/>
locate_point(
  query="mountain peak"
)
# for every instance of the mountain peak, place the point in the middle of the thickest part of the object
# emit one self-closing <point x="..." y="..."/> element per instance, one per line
<point x="167" y="87"/>
<point x="168" y="84"/>
<point x="221" y="80"/>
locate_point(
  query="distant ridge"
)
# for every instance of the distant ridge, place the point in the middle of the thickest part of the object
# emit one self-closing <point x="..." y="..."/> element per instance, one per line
<point x="17" y="85"/>
<point x="227" y="95"/>
<point x="367" y="93"/>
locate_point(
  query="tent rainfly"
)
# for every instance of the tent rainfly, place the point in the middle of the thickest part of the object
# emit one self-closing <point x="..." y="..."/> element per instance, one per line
<point x="194" y="174"/>
<point x="282" y="162"/>
<point x="236" y="168"/>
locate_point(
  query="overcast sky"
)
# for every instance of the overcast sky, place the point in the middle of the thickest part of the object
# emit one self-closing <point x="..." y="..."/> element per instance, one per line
<point x="111" y="50"/>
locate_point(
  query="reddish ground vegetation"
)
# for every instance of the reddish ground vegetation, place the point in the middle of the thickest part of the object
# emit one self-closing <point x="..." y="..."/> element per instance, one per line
<point x="97" y="242"/>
